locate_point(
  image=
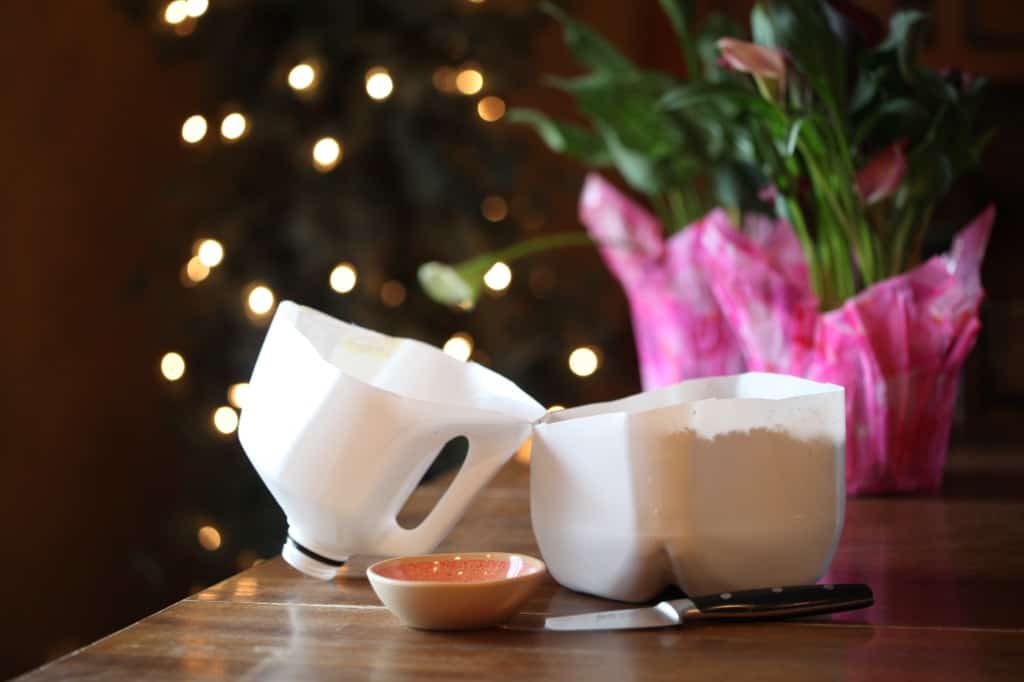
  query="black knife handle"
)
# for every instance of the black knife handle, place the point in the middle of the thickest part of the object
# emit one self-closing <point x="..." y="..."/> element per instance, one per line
<point x="780" y="602"/>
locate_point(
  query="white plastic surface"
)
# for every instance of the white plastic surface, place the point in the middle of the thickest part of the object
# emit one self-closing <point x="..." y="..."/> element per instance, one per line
<point x="342" y="422"/>
<point x="714" y="485"/>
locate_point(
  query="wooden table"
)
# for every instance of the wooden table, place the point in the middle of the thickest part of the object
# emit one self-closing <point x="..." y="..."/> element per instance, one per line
<point x="945" y="570"/>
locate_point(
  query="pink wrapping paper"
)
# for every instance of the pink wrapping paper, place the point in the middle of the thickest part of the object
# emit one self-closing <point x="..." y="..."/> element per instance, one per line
<point x="680" y="330"/>
<point x="897" y="347"/>
<point x="715" y="300"/>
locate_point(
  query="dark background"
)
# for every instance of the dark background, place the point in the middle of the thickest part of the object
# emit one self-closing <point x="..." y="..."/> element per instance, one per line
<point x="92" y="459"/>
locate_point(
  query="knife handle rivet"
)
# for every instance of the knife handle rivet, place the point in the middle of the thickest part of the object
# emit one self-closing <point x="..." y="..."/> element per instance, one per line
<point x="776" y="589"/>
<point x="726" y="595"/>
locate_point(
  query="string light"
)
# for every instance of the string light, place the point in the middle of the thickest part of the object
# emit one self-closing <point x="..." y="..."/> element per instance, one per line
<point x="490" y="108"/>
<point x="210" y="252"/>
<point x="459" y="346"/>
<point x="172" y="366"/>
<point x="196" y="8"/>
<point x="260" y="300"/>
<point x="343" y="278"/>
<point x="494" y="208"/>
<point x="193" y="129"/>
<point x="233" y="126"/>
<point x="498" y="277"/>
<point x="209" y="538"/>
<point x="176" y="12"/>
<point x="225" y="419"/>
<point x="469" y="81"/>
<point x="392" y="293"/>
<point x="237" y="394"/>
<point x="326" y="154"/>
<point x="195" y="271"/>
<point x="378" y="83"/>
<point x="583" y="361"/>
<point x="302" y="76"/>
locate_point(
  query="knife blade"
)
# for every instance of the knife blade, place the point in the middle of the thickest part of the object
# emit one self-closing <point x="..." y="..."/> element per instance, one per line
<point x="759" y="604"/>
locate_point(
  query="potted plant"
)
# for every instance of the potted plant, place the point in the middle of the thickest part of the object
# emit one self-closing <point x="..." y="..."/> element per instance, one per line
<point x="792" y="179"/>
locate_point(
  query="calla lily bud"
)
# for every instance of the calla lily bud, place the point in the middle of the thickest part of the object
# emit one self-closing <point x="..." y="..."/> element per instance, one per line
<point x="882" y="176"/>
<point x="449" y="285"/>
<point x="765" y="63"/>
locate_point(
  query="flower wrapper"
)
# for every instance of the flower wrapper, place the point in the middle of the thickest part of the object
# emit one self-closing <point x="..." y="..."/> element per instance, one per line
<point x="897" y="347"/>
<point x="679" y="328"/>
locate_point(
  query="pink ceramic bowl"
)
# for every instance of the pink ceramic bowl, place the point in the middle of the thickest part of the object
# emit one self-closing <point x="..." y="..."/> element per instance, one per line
<point x="456" y="591"/>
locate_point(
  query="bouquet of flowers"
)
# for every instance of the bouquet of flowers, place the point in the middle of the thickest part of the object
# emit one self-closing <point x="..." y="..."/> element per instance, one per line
<point x="791" y="180"/>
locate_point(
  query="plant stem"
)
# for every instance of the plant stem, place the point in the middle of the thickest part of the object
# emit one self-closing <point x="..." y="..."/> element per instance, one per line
<point x="677" y="208"/>
<point x="542" y="243"/>
<point x="791" y="211"/>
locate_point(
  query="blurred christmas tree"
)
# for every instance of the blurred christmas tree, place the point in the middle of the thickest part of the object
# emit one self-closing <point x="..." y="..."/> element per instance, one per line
<point x="336" y="146"/>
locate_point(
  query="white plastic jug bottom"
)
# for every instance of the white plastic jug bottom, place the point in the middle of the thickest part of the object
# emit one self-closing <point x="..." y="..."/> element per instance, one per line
<point x="307" y="561"/>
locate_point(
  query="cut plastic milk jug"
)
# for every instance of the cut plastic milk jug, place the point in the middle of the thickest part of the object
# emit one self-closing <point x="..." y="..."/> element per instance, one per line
<point x="713" y="485"/>
<point x="341" y="423"/>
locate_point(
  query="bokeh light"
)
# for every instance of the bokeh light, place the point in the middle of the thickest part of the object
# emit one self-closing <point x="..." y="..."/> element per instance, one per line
<point x="260" y="299"/>
<point x="233" y="126"/>
<point x="196" y="8"/>
<point x="210" y="252"/>
<point x="326" y="154"/>
<point x="237" y="394"/>
<point x="583" y="361"/>
<point x="469" y="81"/>
<point x="176" y="12"/>
<point x="302" y="76"/>
<point x="490" y="108"/>
<point x="498" y="277"/>
<point x="225" y="419"/>
<point x="392" y="293"/>
<point x="343" y="278"/>
<point x="172" y="366"/>
<point x="193" y="130"/>
<point x="379" y="85"/>
<point x="195" y="271"/>
<point x="209" y="538"/>
<point x="444" y="78"/>
<point x="459" y="346"/>
<point x="494" y="208"/>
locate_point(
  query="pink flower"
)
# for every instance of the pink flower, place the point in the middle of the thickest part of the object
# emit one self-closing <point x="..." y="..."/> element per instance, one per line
<point x="882" y="175"/>
<point x="758" y="60"/>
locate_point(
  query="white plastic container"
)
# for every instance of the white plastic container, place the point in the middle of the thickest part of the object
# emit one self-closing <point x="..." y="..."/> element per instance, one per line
<point x="342" y="422"/>
<point x="713" y="485"/>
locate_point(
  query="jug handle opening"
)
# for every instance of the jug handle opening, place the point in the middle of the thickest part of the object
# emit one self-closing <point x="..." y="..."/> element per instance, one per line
<point x="489" y="450"/>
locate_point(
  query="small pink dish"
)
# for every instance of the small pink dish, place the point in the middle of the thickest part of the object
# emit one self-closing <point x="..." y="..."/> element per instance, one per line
<point x="463" y="591"/>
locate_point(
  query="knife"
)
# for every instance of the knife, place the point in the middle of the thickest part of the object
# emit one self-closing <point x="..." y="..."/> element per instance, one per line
<point x="759" y="604"/>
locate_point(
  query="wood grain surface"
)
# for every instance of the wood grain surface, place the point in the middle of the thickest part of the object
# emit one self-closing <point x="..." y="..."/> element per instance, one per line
<point x="944" y="569"/>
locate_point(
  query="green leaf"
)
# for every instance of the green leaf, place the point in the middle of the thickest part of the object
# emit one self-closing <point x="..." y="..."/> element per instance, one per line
<point x="907" y="32"/>
<point x="794" y="136"/>
<point x="803" y="30"/>
<point x="628" y="104"/>
<point x="680" y="15"/>
<point x="564" y="138"/>
<point x="715" y="26"/>
<point x="909" y="114"/>
<point x="761" y="29"/>
<point x="636" y="168"/>
<point x="587" y="46"/>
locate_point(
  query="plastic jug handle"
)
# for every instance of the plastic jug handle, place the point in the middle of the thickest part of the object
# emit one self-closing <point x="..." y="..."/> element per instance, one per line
<point x="490" y="447"/>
